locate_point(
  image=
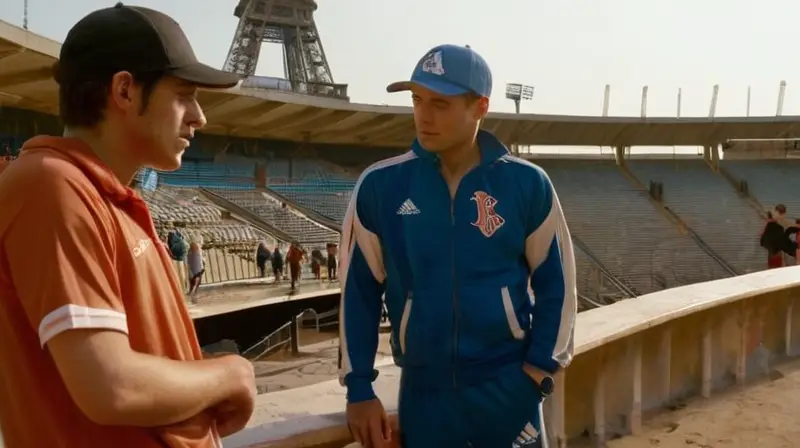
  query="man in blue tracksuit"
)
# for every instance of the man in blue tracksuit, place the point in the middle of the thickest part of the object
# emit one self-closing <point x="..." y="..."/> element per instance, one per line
<point x="470" y="250"/>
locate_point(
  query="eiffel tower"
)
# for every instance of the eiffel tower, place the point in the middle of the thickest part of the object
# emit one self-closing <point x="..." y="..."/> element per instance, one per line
<point x="291" y="24"/>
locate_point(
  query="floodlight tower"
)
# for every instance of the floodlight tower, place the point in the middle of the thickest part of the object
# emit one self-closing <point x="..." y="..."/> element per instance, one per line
<point x="518" y="93"/>
<point x="781" y="95"/>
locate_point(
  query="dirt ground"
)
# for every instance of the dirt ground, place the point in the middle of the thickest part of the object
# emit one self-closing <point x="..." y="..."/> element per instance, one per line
<point x="764" y="415"/>
<point x="317" y="362"/>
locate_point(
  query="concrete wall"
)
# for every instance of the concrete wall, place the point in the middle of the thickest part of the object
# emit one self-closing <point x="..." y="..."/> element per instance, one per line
<point x="633" y="359"/>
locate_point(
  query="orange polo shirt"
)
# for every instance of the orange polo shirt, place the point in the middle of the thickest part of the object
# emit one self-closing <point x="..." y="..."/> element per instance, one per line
<point x="79" y="251"/>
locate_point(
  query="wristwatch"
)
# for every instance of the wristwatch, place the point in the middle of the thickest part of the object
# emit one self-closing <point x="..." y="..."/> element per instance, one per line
<point x="547" y="386"/>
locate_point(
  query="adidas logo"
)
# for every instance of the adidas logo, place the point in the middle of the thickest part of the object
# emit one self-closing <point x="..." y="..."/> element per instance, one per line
<point x="408" y="208"/>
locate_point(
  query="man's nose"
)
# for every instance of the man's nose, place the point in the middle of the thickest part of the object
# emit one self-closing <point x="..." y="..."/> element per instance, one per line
<point x="426" y="115"/>
<point x="195" y="116"/>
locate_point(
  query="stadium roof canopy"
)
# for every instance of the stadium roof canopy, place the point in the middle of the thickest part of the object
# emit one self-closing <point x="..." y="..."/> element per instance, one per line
<point x="26" y="83"/>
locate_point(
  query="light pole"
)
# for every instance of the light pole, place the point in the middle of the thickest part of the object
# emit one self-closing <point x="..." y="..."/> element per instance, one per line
<point x="518" y="93"/>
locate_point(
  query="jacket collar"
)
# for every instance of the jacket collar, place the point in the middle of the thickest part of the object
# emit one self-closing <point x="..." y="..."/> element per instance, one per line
<point x="492" y="149"/>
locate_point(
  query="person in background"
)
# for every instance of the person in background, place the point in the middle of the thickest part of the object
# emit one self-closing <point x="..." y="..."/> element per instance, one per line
<point x="316" y="263"/>
<point x="197" y="267"/>
<point x="294" y="257"/>
<point x="331" y="262"/>
<point x="791" y="237"/>
<point x="277" y="264"/>
<point x="779" y="214"/>
<point x="262" y="257"/>
<point x="789" y="249"/>
<point x="772" y="239"/>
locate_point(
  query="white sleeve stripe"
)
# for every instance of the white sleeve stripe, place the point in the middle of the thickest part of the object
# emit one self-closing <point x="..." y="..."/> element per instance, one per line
<point x="537" y="244"/>
<point x="537" y="247"/>
<point x="353" y="232"/>
<point x="371" y="249"/>
<point x="562" y="352"/>
<point x="77" y="317"/>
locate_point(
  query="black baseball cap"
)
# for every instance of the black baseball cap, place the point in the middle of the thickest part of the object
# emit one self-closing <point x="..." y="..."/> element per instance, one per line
<point x="134" y="39"/>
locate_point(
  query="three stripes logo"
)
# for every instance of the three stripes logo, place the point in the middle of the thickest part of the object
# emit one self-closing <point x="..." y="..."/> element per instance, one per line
<point x="408" y="208"/>
<point x="528" y="438"/>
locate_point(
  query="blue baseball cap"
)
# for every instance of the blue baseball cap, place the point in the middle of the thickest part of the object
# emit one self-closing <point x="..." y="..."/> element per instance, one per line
<point x="450" y="70"/>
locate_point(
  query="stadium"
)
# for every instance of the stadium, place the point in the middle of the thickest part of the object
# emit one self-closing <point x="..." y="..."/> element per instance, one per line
<point x="278" y="162"/>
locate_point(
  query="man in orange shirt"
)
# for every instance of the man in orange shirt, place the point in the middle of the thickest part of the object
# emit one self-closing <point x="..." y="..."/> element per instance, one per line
<point x="97" y="348"/>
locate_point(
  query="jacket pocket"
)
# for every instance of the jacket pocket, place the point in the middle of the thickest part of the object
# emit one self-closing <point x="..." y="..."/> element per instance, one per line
<point x="511" y="315"/>
<point x="404" y="322"/>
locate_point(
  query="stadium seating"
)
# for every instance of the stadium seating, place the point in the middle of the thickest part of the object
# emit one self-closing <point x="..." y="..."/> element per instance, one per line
<point x="285" y="219"/>
<point x="169" y="205"/>
<point x="770" y="181"/>
<point x="710" y="206"/>
<point x="306" y="182"/>
<point x="228" y="244"/>
<point x="623" y="229"/>
<point x="207" y="174"/>
<point x="331" y="205"/>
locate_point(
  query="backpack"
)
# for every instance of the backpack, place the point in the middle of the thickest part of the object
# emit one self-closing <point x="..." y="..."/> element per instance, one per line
<point x="177" y="245"/>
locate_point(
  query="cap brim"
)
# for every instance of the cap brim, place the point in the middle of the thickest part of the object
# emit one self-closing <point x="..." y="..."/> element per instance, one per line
<point x="439" y="86"/>
<point x="205" y="76"/>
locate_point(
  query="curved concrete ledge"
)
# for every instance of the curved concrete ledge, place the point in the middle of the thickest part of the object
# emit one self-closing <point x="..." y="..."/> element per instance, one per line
<point x="264" y="297"/>
<point x="633" y="359"/>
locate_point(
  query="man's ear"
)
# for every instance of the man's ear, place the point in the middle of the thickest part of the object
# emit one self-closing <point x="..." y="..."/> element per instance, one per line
<point x="483" y="108"/>
<point x="122" y="91"/>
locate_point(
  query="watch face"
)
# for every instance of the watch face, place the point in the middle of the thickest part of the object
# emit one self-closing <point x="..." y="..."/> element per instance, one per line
<point x="547" y="386"/>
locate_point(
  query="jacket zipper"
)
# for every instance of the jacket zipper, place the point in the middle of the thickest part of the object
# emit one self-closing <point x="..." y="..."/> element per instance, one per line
<point x="453" y="198"/>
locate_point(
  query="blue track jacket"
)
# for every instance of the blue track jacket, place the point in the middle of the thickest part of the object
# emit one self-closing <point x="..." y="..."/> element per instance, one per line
<point x="456" y="275"/>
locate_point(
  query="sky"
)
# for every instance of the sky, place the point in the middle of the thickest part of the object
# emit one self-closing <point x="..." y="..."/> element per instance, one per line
<point x="568" y="50"/>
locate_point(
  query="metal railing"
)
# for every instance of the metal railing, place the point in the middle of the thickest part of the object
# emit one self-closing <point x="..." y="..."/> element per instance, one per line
<point x="283" y="335"/>
<point x="272" y="342"/>
<point x="227" y="263"/>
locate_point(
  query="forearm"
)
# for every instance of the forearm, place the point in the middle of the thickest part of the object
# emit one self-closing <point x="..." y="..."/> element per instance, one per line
<point x="154" y="391"/>
<point x="360" y="319"/>
<point x="553" y="315"/>
<point x="115" y="385"/>
<point x="359" y="348"/>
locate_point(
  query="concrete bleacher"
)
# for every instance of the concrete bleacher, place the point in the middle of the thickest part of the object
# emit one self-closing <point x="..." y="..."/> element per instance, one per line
<point x="228" y="244"/>
<point x="169" y="205"/>
<point x="329" y="204"/>
<point x="322" y="191"/>
<point x="299" y="227"/>
<point x="208" y="174"/>
<point x="593" y="286"/>
<point x="709" y="205"/>
<point x="771" y="182"/>
<point x="583" y="270"/>
<point x="618" y="222"/>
